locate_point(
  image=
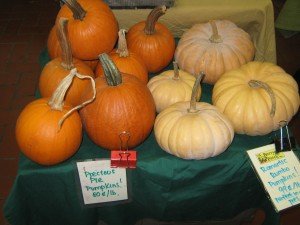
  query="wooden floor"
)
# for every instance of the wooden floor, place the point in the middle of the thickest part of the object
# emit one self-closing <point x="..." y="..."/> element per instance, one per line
<point x="24" y="26"/>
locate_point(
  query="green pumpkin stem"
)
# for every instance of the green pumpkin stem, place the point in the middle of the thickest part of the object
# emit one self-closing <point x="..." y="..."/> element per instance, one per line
<point x="153" y="18"/>
<point x="195" y="93"/>
<point x="111" y="72"/>
<point x="122" y="44"/>
<point x="176" y="71"/>
<point x="215" y="38"/>
<point x="268" y="89"/>
<point x="66" y="51"/>
<point x="77" y="10"/>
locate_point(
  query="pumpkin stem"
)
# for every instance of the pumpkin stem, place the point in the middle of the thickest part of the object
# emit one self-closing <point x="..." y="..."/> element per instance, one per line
<point x="56" y="101"/>
<point x="176" y="71"/>
<point x="111" y="72"/>
<point x="195" y="93"/>
<point x="77" y="10"/>
<point x="62" y="34"/>
<point x="215" y="38"/>
<point x="60" y="122"/>
<point x="268" y="89"/>
<point x="122" y="44"/>
<point x="152" y="19"/>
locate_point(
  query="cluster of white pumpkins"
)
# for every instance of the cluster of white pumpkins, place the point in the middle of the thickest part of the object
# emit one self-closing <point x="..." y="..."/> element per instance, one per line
<point x="248" y="97"/>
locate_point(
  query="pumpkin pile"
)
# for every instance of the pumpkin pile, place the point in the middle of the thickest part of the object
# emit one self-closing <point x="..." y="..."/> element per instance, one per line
<point x="248" y="97"/>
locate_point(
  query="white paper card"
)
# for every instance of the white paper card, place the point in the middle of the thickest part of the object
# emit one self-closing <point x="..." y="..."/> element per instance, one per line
<point x="100" y="183"/>
<point x="279" y="173"/>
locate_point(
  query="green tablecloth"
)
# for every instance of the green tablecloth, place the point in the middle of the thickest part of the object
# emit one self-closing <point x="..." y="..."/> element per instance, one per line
<point x="163" y="186"/>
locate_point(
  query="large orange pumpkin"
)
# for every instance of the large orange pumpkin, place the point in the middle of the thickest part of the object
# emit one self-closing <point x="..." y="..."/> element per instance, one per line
<point x="48" y="131"/>
<point x="93" y="28"/>
<point x="123" y="104"/>
<point x="58" y="68"/>
<point x="126" y="61"/>
<point x="152" y="40"/>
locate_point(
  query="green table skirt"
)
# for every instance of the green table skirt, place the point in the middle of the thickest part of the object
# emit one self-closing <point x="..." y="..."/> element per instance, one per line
<point x="163" y="186"/>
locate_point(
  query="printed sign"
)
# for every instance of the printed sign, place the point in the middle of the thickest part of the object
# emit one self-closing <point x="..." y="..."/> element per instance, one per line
<point x="100" y="183"/>
<point x="279" y="173"/>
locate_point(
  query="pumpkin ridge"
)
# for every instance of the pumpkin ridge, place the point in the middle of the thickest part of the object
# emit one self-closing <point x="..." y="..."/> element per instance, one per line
<point x="232" y="101"/>
<point x="280" y="95"/>
<point x="237" y="52"/>
<point x="220" y="93"/>
<point x="208" y="131"/>
<point x="212" y="135"/>
<point x="296" y="99"/>
<point x="287" y="104"/>
<point x="162" y="129"/>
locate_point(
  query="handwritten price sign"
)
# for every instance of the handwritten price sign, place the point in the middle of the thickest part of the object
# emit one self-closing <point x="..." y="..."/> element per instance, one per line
<point x="279" y="173"/>
<point x="100" y="183"/>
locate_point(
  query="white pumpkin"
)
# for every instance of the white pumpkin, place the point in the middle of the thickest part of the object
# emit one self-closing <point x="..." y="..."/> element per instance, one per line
<point x="193" y="130"/>
<point x="170" y="87"/>
<point x="257" y="97"/>
<point x="214" y="47"/>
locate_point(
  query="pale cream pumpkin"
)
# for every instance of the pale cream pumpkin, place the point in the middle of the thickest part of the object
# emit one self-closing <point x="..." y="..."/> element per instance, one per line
<point x="257" y="97"/>
<point x="193" y="130"/>
<point x="214" y="47"/>
<point x="170" y="87"/>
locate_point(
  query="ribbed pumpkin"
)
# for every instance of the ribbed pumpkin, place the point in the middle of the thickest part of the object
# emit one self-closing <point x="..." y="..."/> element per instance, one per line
<point x="257" y="97"/>
<point x="126" y="61"/>
<point x="193" y="130"/>
<point x="48" y="131"/>
<point x="170" y="87"/>
<point x="93" y="28"/>
<point x="214" y="47"/>
<point x="123" y="104"/>
<point x="58" y="68"/>
<point x="152" y="40"/>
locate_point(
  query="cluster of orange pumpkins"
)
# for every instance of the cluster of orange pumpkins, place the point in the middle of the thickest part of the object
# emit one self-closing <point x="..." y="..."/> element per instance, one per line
<point x="110" y="87"/>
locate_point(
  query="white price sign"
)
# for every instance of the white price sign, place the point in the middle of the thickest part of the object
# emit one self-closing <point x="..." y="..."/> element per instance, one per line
<point x="279" y="173"/>
<point x="100" y="183"/>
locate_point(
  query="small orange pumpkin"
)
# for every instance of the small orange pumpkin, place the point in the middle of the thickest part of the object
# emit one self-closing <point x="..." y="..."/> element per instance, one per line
<point x="152" y="40"/>
<point x="126" y="61"/>
<point x="58" y="68"/>
<point x="123" y="104"/>
<point x="93" y="28"/>
<point x="48" y="131"/>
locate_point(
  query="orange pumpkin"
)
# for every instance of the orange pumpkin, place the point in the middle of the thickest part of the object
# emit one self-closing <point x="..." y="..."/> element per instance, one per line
<point x="58" y="68"/>
<point x="123" y="104"/>
<point x="152" y="40"/>
<point x="93" y="28"/>
<point x="54" y="49"/>
<point x="48" y="131"/>
<point x="126" y="61"/>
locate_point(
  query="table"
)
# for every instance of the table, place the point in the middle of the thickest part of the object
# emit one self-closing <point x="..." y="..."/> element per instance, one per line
<point x="254" y="16"/>
<point x="163" y="186"/>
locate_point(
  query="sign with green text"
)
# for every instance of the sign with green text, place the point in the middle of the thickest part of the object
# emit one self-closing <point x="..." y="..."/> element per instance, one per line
<point x="100" y="183"/>
<point x="279" y="173"/>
